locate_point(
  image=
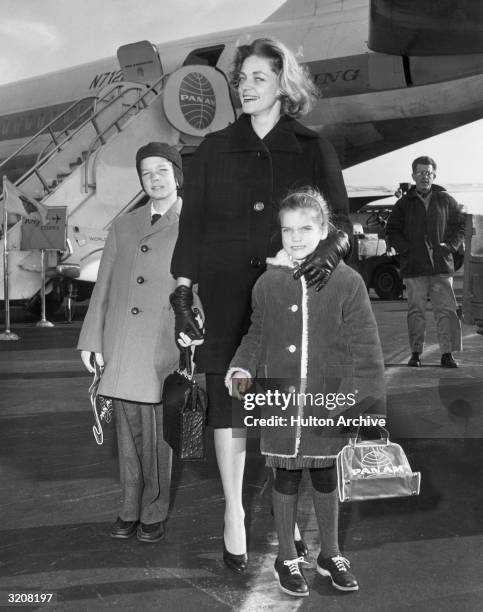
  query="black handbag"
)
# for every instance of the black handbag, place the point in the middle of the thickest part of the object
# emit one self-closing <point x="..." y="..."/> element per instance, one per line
<point x="184" y="413"/>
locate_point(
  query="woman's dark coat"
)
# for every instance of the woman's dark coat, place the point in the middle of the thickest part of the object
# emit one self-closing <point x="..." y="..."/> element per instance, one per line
<point x="229" y="225"/>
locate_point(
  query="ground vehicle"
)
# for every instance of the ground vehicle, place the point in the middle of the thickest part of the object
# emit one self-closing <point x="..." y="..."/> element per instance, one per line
<point x="379" y="269"/>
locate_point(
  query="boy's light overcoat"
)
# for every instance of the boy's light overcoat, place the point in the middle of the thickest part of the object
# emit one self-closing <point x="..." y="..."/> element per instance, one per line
<point x="129" y="319"/>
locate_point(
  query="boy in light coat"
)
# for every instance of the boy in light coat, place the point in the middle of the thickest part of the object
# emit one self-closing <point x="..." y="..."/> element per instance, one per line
<point x="128" y="330"/>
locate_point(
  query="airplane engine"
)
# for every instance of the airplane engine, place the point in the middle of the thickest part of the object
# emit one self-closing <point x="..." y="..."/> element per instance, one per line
<point x="425" y="27"/>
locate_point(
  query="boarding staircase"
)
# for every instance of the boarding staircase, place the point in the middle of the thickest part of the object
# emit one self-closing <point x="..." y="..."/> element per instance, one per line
<point x="84" y="160"/>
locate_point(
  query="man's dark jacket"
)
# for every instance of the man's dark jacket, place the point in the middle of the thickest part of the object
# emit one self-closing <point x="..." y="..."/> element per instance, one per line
<point x="229" y="226"/>
<point x="417" y="235"/>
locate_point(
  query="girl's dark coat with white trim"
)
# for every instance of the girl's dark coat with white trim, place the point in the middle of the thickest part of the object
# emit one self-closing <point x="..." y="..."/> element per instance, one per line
<point x="304" y="341"/>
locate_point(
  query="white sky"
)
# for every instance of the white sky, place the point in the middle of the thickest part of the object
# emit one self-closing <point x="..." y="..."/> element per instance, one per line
<point x="38" y="36"/>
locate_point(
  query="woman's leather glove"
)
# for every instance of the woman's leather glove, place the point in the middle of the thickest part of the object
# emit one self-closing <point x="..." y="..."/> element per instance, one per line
<point x="320" y="264"/>
<point x="186" y="317"/>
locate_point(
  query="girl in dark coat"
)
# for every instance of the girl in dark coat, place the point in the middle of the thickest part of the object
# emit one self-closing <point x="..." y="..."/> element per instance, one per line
<point x="322" y="345"/>
<point x="228" y="228"/>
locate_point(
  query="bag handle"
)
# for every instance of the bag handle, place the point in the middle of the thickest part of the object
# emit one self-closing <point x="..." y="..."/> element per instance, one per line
<point x="382" y="431"/>
<point x="188" y="369"/>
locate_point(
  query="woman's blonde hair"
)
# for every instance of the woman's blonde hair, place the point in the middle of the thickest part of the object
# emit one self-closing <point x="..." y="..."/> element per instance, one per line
<point x="307" y="198"/>
<point x="299" y="92"/>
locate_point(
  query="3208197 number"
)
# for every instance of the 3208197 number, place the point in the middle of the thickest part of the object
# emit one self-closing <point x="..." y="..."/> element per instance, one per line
<point x="28" y="597"/>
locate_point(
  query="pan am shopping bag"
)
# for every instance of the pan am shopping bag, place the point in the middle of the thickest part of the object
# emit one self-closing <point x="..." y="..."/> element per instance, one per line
<point x="375" y="470"/>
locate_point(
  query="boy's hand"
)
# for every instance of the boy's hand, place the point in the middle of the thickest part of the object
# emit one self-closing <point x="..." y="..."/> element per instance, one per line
<point x="240" y="384"/>
<point x="88" y="357"/>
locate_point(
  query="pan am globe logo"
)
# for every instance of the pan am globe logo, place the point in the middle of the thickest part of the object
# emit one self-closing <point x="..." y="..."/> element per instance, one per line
<point x="375" y="463"/>
<point x="197" y="100"/>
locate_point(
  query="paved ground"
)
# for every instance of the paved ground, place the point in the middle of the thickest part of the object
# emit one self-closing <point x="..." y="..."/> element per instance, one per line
<point x="59" y="493"/>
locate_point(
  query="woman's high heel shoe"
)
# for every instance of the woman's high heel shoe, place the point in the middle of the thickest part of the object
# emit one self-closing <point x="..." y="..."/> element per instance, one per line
<point x="237" y="563"/>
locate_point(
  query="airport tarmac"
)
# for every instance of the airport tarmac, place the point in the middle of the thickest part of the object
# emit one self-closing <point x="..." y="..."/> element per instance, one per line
<point x="59" y="495"/>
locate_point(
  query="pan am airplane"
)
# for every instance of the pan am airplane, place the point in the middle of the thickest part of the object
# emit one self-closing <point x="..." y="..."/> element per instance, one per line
<point x="392" y="72"/>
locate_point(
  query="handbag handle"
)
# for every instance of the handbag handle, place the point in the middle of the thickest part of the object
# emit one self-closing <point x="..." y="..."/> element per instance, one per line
<point x="188" y="362"/>
<point x="382" y="431"/>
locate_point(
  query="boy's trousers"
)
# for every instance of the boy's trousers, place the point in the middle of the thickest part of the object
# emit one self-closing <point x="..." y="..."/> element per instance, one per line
<point x="144" y="462"/>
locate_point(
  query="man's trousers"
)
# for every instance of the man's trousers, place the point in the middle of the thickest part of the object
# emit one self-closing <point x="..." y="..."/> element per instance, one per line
<point x="439" y="288"/>
<point x="144" y="462"/>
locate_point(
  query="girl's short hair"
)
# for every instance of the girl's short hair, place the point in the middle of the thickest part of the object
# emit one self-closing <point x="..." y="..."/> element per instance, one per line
<point x="307" y="198"/>
<point x="299" y="92"/>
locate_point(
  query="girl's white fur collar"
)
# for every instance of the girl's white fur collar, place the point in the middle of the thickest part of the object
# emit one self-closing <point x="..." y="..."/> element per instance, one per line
<point x="282" y="258"/>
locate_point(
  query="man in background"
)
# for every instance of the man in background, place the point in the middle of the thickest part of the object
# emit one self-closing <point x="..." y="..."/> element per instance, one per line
<point x="426" y="227"/>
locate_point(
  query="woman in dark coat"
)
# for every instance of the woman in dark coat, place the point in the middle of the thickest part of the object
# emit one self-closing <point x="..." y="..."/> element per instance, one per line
<point x="228" y="227"/>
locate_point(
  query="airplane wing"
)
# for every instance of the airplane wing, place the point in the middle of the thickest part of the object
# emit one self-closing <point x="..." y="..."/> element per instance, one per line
<point x="375" y="191"/>
<point x="469" y="195"/>
<point x="406" y="27"/>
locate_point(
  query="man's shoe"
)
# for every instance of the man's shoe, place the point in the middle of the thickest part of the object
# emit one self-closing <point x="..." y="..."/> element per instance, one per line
<point x="415" y="361"/>
<point x="290" y="577"/>
<point x="447" y="361"/>
<point x="338" y="570"/>
<point x="123" y="529"/>
<point x="301" y="548"/>
<point x="151" y="533"/>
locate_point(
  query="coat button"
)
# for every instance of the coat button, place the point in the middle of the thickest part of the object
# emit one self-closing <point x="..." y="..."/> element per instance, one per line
<point x="135" y="310"/>
<point x="258" y="206"/>
<point x="292" y="348"/>
<point x="255" y="262"/>
<point x="291" y="389"/>
<point x="140" y="280"/>
<point x="144" y="248"/>
<point x="294" y="308"/>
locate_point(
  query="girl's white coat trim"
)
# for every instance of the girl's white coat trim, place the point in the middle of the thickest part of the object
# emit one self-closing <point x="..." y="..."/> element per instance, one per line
<point x="230" y="373"/>
<point x="304" y="349"/>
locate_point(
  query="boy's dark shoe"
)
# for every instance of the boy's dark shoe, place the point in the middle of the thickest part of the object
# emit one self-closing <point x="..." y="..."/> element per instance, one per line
<point x="151" y="533"/>
<point x="415" y="360"/>
<point x="447" y="361"/>
<point x="338" y="570"/>
<point x="290" y="577"/>
<point x="123" y="529"/>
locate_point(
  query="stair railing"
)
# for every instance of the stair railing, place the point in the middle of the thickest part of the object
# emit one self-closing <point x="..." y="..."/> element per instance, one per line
<point x="152" y="89"/>
<point x="57" y="146"/>
<point x="48" y="128"/>
<point x="65" y="130"/>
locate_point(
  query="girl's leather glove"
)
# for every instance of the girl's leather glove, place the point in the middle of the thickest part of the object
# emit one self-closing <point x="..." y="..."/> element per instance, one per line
<point x="187" y="318"/>
<point x="320" y="264"/>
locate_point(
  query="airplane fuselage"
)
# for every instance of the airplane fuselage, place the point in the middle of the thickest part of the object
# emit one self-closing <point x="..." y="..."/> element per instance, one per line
<point x="371" y="104"/>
